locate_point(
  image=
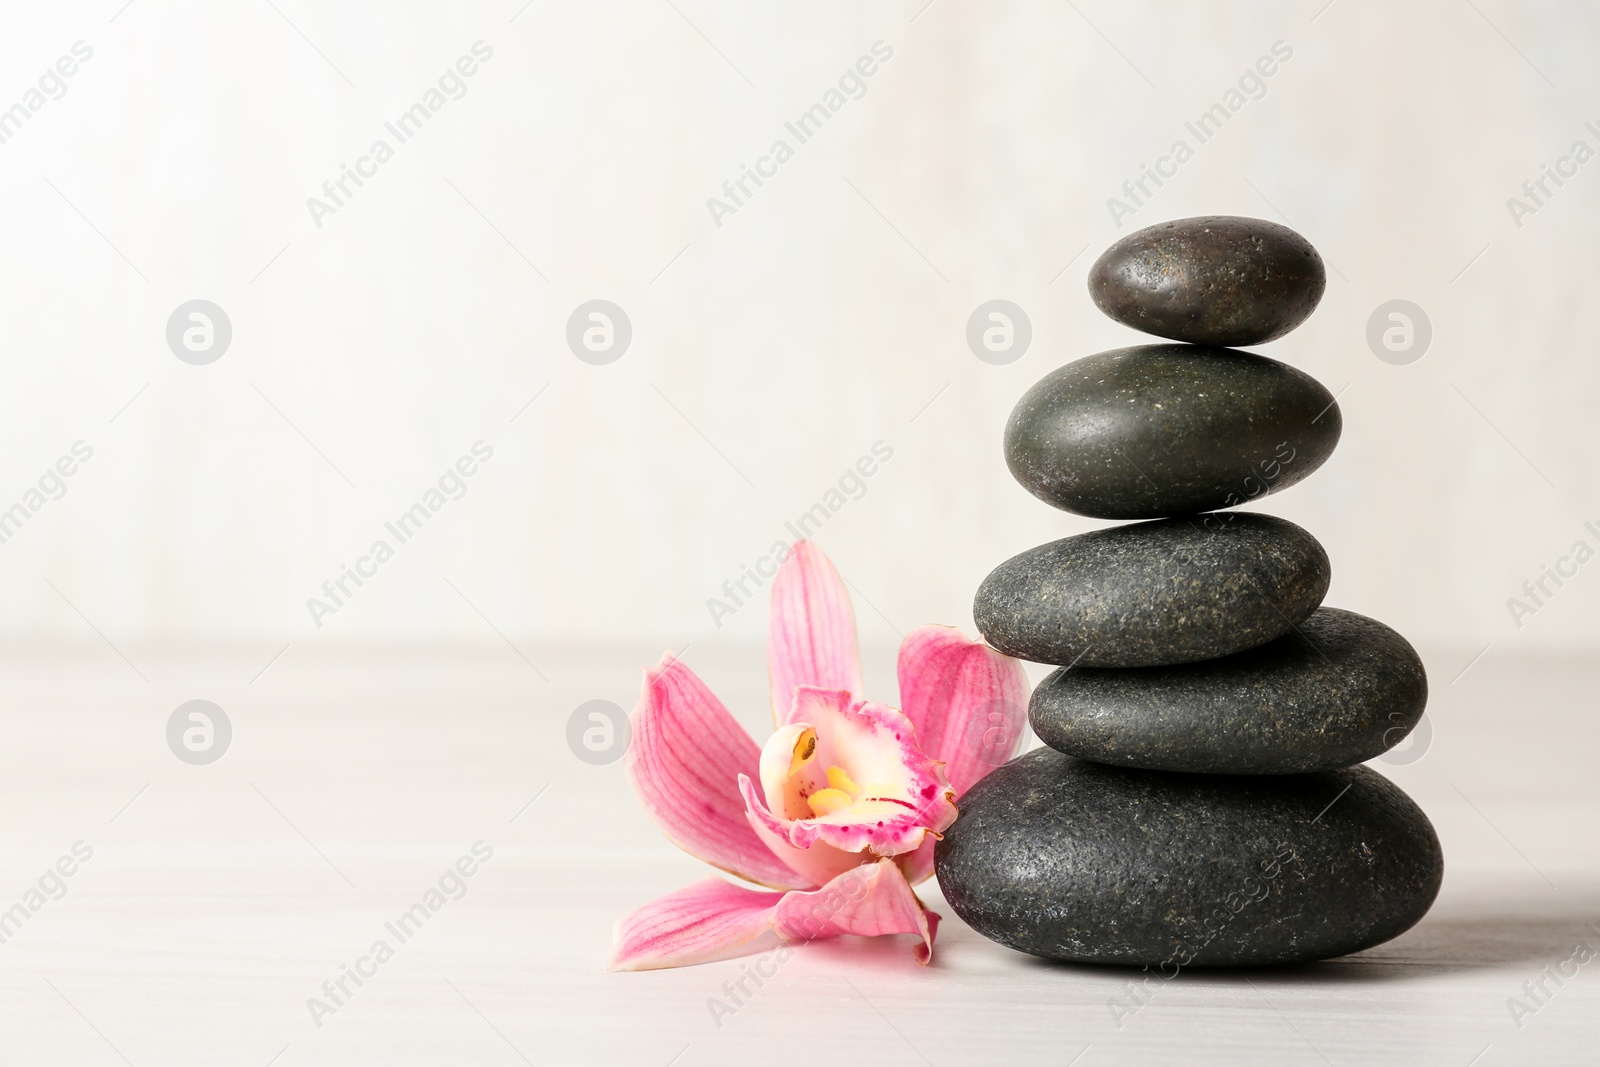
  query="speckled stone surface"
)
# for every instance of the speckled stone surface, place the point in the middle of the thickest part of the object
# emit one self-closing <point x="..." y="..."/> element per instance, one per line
<point x="1337" y="691"/>
<point x="1150" y="594"/>
<point x="1078" y="861"/>
<point x="1154" y="430"/>
<point x="1212" y="280"/>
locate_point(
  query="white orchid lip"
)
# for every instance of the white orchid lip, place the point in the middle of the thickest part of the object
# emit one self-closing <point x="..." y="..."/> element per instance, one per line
<point x="810" y="770"/>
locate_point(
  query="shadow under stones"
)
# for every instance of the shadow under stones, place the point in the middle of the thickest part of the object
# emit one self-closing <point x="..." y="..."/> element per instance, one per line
<point x="1446" y="945"/>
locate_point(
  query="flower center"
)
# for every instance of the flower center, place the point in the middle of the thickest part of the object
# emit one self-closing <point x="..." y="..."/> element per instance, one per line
<point x="812" y="776"/>
<point x="840" y="793"/>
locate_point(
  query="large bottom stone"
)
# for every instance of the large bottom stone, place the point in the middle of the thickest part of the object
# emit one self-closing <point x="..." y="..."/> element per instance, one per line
<point x="1078" y="861"/>
<point x="1337" y="691"/>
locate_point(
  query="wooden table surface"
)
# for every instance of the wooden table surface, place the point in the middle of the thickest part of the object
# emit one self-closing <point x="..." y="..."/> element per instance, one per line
<point x="218" y="899"/>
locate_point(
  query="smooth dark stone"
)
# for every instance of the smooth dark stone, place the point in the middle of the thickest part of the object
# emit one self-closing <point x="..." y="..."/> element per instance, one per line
<point x="1151" y="594"/>
<point x="1336" y="691"/>
<point x="1154" y="430"/>
<point x="1212" y="280"/>
<point x="1078" y="861"/>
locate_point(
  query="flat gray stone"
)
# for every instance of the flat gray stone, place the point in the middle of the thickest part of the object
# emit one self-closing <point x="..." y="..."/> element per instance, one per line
<point x="1073" y="860"/>
<point x="1154" y="430"/>
<point x="1150" y="594"/>
<point x="1211" y="280"/>
<point x="1336" y="691"/>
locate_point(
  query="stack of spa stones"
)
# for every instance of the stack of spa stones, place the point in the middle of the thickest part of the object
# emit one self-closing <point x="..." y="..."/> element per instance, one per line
<point x="1199" y="802"/>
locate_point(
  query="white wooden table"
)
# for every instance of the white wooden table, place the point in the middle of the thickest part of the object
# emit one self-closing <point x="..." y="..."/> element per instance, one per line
<point x="219" y="898"/>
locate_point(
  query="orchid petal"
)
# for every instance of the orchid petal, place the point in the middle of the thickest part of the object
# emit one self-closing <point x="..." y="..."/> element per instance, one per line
<point x="811" y="631"/>
<point x="870" y="900"/>
<point x="969" y="703"/>
<point x="687" y="756"/>
<point x="710" y="920"/>
<point x="715" y="920"/>
<point x="917" y="865"/>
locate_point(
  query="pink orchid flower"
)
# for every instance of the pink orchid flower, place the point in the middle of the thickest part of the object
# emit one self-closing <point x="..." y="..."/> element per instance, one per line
<point x="837" y="814"/>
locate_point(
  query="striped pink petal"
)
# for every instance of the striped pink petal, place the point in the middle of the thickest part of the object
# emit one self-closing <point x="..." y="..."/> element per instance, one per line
<point x="871" y="900"/>
<point x="811" y="630"/>
<point x="917" y="865"/>
<point x="715" y="920"/>
<point x="969" y="702"/>
<point x="710" y="920"/>
<point x="685" y="761"/>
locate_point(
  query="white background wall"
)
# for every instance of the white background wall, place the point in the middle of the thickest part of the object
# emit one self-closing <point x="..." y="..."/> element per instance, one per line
<point x="771" y="352"/>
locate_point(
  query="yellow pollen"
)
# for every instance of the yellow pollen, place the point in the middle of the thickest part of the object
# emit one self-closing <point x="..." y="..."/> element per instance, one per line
<point x="827" y="801"/>
<point x="840" y="793"/>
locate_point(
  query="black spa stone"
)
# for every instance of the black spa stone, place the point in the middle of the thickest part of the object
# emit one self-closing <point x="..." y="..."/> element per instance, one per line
<point x="1154" y="430"/>
<point x="1151" y="594"/>
<point x="1211" y="280"/>
<point x="1073" y="860"/>
<point x="1336" y="691"/>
